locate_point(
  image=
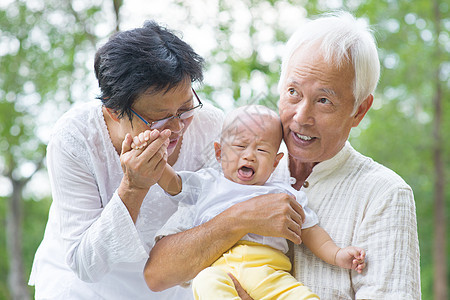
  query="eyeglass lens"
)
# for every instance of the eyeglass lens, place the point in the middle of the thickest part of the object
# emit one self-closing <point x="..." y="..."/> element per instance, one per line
<point x="183" y="116"/>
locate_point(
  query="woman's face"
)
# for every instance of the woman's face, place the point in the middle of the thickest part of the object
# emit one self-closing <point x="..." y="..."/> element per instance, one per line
<point x="164" y="104"/>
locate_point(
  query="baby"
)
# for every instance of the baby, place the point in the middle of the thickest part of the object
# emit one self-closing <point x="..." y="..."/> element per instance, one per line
<point x="248" y="154"/>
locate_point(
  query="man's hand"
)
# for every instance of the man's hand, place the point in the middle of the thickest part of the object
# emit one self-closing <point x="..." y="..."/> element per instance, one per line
<point x="278" y="215"/>
<point x="270" y="215"/>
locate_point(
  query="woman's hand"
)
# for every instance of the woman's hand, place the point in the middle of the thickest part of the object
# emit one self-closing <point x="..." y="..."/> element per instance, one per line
<point x="142" y="168"/>
<point x="239" y="289"/>
<point x="141" y="141"/>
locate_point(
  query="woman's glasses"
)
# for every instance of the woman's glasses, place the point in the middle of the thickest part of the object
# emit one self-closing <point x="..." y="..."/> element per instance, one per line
<point x="158" y="124"/>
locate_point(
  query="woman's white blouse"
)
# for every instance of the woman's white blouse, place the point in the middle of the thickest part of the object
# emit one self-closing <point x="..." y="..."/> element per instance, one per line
<point x="91" y="247"/>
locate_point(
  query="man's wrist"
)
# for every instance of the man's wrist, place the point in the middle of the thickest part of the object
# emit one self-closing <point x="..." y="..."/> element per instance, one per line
<point x="235" y="221"/>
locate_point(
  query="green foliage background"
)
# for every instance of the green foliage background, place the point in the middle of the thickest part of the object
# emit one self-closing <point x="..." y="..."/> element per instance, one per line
<point x="42" y="77"/>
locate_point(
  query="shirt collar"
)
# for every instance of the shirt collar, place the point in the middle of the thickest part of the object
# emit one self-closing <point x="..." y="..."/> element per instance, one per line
<point x="327" y="167"/>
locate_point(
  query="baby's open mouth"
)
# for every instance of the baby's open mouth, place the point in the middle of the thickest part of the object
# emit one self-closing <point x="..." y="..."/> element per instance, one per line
<point x="246" y="173"/>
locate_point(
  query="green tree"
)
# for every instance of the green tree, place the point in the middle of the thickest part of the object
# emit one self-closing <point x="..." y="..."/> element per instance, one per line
<point x="42" y="47"/>
<point x="415" y="49"/>
<point x="244" y="63"/>
<point x="45" y="47"/>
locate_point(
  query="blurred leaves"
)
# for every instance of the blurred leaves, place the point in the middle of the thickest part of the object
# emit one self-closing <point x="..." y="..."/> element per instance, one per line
<point x="46" y="52"/>
<point x="43" y="45"/>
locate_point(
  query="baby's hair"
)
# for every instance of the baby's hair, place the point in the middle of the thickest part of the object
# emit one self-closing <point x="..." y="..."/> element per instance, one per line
<point x="257" y="113"/>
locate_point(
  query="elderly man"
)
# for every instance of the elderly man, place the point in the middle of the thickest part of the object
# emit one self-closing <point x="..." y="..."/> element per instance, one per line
<point x="329" y="73"/>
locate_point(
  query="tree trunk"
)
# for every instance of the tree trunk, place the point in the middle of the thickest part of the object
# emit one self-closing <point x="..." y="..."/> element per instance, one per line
<point x="117" y="6"/>
<point x="440" y="253"/>
<point x="16" y="277"/>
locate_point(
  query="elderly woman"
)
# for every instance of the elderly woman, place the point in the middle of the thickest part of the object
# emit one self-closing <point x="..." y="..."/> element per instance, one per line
<point x="329" y="74"/>
<point x="106" y="207"/>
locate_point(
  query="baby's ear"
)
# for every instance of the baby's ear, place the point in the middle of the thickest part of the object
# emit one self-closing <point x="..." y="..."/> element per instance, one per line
<point x="218" y="151"/>
<point x="277" y="159"/>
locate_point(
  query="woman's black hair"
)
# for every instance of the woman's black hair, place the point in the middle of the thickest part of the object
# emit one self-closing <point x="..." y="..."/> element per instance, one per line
<point x="134" y="61"/>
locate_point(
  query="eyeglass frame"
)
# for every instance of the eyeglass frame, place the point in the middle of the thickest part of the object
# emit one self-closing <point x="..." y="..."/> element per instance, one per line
<point x="177" y="116"/>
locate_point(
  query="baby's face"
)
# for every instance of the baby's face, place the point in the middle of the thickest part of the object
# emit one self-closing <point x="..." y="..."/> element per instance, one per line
<point x="249" y="150"/>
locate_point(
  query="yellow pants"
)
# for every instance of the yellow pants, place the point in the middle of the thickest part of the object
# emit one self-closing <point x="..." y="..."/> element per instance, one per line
<point x="261" y="270"/>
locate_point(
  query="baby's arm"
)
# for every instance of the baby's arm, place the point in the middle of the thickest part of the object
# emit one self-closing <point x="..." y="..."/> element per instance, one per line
<point x="321" y="244"/>
<point x="169" y="181"/>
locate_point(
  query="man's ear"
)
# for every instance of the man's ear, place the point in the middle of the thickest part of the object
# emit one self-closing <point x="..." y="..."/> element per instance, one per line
<point x="218" y="151"/>
<point x="113" y="114"/>
<point x="362" y="110"/>
<point x="277" y="159"/>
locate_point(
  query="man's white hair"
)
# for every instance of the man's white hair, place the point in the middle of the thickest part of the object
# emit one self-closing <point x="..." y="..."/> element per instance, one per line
<point x="341" y="37"/>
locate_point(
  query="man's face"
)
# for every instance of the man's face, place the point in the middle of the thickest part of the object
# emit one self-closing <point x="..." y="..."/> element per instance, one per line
<point x="316" y="102"/>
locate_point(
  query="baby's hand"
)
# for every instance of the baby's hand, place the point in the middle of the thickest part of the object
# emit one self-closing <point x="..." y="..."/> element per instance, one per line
<point x="140" y="141"/>
<point x="351" y="258"/>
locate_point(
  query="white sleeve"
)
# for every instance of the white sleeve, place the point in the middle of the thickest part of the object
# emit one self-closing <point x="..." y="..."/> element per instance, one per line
<point x="94" y="237"/>
<point x="311" y="218"/>
<point x="191" y="186"/>
<point x="181" y="220"/>
<point x="389" y="235"/>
